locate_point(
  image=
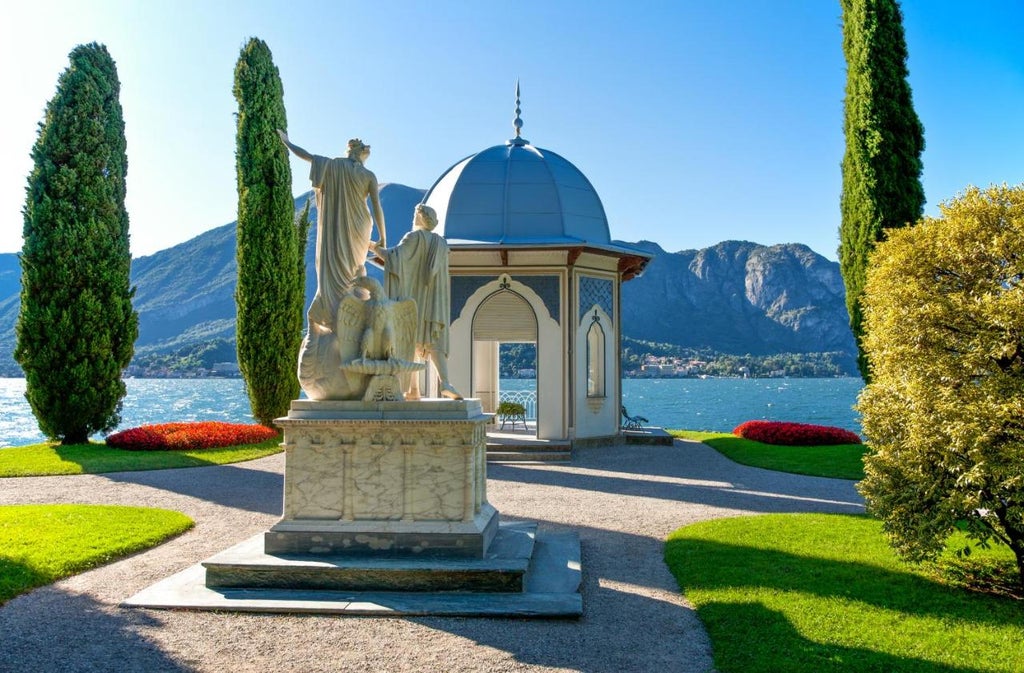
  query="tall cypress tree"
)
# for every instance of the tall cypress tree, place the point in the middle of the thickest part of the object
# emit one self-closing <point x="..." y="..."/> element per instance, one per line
<point x="884" y="141"/>
<point x="269" y="298"/>
<point x="76" y="330"/>
<point x="302" y="225"/>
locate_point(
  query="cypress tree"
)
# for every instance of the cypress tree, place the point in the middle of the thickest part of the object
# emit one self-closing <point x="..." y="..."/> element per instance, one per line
<point x="302" y="225"/>
<point x="884" y="141"/>
<point x="268" y="298"/>
<point x="76" y="330"/>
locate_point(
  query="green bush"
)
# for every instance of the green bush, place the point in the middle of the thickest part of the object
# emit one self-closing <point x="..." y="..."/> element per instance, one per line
<point x="944" y="312"/>
<point x="511" y="409"/>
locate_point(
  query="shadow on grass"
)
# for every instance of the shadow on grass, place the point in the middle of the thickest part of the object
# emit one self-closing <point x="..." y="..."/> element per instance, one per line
<point x="784" y="648"/>
<point x="716" y="565"/>
<point x="100" y="458"/>
<point x="18" y="578"/>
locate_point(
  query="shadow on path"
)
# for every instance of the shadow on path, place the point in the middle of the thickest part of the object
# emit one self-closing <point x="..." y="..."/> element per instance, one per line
<point x="37" y="636"/>
<point x="681" y="480"/>
<point x="626" y="626"/>
<point x="235" y="486"/>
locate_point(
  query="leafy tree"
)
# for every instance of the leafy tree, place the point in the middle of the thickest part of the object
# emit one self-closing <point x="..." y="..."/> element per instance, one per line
<point x="944" y="412"/>
<point x="884" y="141"/>
<point x="269" y="297"/>
<point x="76" y="330"/>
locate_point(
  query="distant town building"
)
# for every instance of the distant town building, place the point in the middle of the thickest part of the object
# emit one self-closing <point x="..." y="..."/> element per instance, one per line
<point x="225" y="369"/>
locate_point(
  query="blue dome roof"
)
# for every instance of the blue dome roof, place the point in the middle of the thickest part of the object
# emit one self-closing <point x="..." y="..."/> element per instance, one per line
<point x="518" y="194"/>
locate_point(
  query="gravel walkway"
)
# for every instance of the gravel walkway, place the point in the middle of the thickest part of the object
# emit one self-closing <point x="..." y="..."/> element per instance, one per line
<point x="622" y="500"/>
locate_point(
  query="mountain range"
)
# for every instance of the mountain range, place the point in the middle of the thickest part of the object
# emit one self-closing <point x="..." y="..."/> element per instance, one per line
<point x="735" y="297"/>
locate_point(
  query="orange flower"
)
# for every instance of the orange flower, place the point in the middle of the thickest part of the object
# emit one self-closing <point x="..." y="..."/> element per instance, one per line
<point x="188" y="436"/>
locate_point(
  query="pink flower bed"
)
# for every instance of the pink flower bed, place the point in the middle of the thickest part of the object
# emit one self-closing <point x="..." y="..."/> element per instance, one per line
<point x="187" y="436"/>
<point x="794" y="434"/>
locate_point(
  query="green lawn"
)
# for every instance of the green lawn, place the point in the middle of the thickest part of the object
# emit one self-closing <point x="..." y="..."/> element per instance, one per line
<point x="817" y="592"/>
<point x="53" y="459"/>
<point x="40" y="544"/>
<point x="841" y="461"/>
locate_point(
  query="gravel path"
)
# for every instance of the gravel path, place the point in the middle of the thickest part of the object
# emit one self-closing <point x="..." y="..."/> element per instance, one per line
<point x="622" y="500"/>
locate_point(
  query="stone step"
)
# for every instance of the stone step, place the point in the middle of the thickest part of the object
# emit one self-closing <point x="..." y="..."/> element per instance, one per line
<point x="650" y="436"/>
<point x="503" y="568"/>
<point x="528" y="456"/>
<point x="530" y="446"/>
<point x="551" y="590"/>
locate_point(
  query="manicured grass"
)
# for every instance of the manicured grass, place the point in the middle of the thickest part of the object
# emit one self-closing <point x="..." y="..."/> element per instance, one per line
<point x="40" y="544"/>
<point x="814" y="593"/>
<point x="53" y="459"/>
<point x="839" y="461"/>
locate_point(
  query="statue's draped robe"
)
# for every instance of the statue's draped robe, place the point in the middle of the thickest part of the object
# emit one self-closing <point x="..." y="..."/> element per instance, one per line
<point x="343" y="231"/>
<point x="417" y="268"/>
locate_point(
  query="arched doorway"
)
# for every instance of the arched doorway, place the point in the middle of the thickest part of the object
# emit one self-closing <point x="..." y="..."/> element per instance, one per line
<point x="503" y="317"/>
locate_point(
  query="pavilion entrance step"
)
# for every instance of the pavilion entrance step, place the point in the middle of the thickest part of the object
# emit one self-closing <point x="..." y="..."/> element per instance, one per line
<point x="648" y="435"/>
<point x="507" y="450"/>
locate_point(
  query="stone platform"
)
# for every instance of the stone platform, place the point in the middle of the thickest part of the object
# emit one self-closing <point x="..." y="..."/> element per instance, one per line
<point x="651" y="436"/>
<point x="248" y="565"/>
<point x="385" y="512"/>
<point x="543" y="579"/>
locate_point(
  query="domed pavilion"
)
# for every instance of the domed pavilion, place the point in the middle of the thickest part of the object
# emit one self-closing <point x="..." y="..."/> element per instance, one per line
<point x="532" y="261"/>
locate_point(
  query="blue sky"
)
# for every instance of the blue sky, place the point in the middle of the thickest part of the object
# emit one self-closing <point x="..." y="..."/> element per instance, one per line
<point x="696" y="122"/>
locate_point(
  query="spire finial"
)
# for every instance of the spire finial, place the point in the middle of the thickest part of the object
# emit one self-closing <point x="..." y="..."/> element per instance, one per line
<point x="518" y="122"/>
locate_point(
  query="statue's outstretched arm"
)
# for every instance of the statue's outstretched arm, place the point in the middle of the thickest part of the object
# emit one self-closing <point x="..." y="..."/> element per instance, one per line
<point x="378" y="213"/>
<point x="298" y="151"/>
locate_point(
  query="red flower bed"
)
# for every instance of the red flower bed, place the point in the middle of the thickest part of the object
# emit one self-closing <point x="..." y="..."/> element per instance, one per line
<point x="794" y="434"/>
<point x="187" y="436"/>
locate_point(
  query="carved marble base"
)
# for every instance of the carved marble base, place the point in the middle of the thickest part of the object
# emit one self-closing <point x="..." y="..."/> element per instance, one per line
<point x="385" y="478"/>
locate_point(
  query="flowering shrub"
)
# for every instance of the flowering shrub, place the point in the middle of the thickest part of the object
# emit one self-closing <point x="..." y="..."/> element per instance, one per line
<point x="794" y="434"/>
<point x="186" y="436"/>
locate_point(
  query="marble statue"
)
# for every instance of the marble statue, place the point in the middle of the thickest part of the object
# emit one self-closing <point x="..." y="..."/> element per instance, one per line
<point x="343" y="229"/>
<point x="417" y="269"/>
<point x="376" y="340"/>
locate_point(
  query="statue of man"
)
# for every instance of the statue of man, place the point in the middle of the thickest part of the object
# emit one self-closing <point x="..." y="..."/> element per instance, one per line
<point x="343" y="230"/>
<point x="417" y="268"/>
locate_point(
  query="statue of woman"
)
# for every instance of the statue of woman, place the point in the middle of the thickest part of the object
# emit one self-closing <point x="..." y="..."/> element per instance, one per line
<point x="417" y="269"/>
<point x="343" y="230"/>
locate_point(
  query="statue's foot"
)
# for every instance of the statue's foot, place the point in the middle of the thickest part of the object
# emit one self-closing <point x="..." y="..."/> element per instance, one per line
<point x="449" y="392"/>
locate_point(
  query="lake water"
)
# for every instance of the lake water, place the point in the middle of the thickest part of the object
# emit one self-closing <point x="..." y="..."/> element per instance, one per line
<point x="694" y="404"/>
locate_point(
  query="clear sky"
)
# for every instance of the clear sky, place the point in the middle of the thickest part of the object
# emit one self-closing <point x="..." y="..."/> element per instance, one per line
<point x="696" y="121"/>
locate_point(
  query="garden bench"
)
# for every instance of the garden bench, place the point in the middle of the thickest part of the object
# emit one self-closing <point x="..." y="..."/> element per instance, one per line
<point x="632" y="422"/>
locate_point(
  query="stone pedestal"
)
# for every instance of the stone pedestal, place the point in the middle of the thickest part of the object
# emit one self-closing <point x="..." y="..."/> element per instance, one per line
<point x="385" y="479"/>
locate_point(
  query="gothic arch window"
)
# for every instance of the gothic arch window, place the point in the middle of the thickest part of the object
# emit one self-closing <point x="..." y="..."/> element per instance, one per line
<point x="595" y="359"/>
